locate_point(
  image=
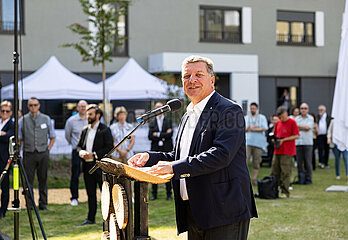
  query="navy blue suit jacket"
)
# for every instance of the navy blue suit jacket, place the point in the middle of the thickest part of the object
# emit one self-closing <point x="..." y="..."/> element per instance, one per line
<point x="4" y="141"/>
<point x="217" y="176"/>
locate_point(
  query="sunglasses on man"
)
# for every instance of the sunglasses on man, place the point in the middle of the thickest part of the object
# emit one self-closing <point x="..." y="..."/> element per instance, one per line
<point x="5" y="111"/>
<point x="33" y="105"/>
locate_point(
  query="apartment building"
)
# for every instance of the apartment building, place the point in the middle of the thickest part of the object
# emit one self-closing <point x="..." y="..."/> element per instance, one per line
<point x="260" y="48"/>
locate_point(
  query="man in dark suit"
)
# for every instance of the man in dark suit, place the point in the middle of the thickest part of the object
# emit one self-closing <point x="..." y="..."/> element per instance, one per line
<point x="95" y="141"/>
<point x="7" y="130"/>
<point x="212" y="189"/>
<point x="160" y="134"/>
<point x="324" y="120"/>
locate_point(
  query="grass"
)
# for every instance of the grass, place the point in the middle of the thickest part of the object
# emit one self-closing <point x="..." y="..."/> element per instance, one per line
<point x="310" y="213"/>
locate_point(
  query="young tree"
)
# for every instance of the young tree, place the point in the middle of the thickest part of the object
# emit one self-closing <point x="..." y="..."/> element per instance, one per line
<point x="97" y="42"/>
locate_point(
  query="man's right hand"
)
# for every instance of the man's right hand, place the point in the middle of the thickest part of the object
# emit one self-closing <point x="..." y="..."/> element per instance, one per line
<point x="139" y="160"/>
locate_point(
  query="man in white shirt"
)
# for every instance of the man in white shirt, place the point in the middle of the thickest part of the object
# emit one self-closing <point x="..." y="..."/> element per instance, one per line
<point x="304" y="144"/>
<point x="323" y="148"/>
<point x="160" y="134"/>
<point x="211" y="183"/>
<point x="95" y="141"/>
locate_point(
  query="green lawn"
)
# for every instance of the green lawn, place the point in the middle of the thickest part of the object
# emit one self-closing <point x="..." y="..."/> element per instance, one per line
<point x="310" y="213"/>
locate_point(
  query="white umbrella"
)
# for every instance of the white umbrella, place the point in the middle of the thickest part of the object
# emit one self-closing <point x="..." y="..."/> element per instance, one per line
<point x="340" y="101"/>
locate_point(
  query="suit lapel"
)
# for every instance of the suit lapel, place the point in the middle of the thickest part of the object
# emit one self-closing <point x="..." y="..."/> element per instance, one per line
<point x="203" y="120"/>
<point x="96" y="136"/>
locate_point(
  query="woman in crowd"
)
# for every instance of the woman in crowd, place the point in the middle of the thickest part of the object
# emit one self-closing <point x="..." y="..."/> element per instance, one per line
<point x="337" y="152"/>
<point x="119" y="130"/>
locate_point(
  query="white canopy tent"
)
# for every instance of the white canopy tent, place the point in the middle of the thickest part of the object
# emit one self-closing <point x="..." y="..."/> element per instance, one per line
<point x="340" y="101"/>
<point x="54" y="81"/>
<point x="132" y="82"/>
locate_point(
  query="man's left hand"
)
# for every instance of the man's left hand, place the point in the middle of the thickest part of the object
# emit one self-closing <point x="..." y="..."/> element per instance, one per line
<point x="161" y="168"/>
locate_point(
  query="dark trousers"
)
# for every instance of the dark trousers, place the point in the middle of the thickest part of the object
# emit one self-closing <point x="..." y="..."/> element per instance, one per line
<point x="315" y="146"/>
<point x="168" y="189"/>
<point x="5" y="189"/>
<point x="37" y="161"/>
<point x="234" y="231"/>
<point x="323" y="149"/>
<point x="281" y="168"/>
<point x="304" y="161"/>
<point x="75" y="174"/>
<point x="91" y="182"/>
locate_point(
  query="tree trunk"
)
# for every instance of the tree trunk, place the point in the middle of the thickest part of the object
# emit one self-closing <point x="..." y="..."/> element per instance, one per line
<point x="106" y="122"/>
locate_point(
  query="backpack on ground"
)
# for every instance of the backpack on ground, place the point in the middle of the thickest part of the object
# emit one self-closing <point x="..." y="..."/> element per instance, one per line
<point x="268" y="188"/>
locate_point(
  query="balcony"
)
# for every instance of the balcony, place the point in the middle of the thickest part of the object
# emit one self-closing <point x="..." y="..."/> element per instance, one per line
<point x="295" y="39"/>
<point x="220" y="36"/>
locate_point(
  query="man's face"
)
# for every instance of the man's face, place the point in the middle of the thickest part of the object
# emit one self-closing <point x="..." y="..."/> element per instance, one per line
<point x="296" y="112"/>
<point x="253" y="109"/>
<point x="283" y="117"/>
<point x="82" y="107"/>
<point x="321" y="110"/>
<point x="91" y="116"/>
<point x="33" y="106"/>
<point x="275" y="119"/>
<point x="159" y="105"/>
<point x="304" y="109"/>
<point x="196" y="81"/>
<point x="6" y="112"/>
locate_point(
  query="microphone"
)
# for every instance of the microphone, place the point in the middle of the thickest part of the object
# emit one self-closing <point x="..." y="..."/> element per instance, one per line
<point x="171" y="106"/>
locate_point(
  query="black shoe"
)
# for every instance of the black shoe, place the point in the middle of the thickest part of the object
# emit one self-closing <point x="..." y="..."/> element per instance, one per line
<point x="308" y="182"/>
<point x="44" y="209"/>
<point x="153" y="198"/>
<point x="169" y="198"/>
<point x="2" y="215"/>
<point x="86" y="222"/>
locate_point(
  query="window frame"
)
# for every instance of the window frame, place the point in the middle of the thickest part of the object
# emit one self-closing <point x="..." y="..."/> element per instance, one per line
<point x="222" y="9"/>
<point x="296" y="17"/>
<point x="21" y="20"/>
<point x="125" y="53"/>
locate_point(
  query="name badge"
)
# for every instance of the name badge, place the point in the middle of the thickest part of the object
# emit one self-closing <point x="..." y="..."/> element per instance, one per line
<point x="43" y="126"/>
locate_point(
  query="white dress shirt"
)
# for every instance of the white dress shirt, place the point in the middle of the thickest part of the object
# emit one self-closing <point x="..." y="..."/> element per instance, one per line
<point x="322" y="125"/>
<point x="3" y="123"/>
<point x="159" y="120"/>
<point x="90" y="137"/>
<point x="194" y="113"/>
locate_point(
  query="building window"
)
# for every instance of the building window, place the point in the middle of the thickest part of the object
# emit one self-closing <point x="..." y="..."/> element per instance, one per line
<point x="121" y="44"/>
<point x="7" y="16"/>
<point x="220" y="24"/>
<point x="295" y="28"/>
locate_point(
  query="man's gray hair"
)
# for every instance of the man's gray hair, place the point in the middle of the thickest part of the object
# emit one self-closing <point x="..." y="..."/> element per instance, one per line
<point x="281" y="110"/>
<point x="322" y="106"/>
<point x="196" y="58"/>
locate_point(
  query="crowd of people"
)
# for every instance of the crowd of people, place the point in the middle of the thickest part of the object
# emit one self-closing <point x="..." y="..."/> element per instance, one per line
<point x="292" y="140"/>
<point x="209" y="159"/>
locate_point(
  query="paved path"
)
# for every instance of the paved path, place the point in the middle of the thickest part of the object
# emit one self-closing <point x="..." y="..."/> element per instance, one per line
<point x="56" y="196"/>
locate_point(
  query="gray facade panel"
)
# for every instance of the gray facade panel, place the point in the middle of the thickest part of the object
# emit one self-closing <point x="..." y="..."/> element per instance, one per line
<point x="267" y="95"/>
<point x="317" y="91"/>
<point x="157" y="26"/>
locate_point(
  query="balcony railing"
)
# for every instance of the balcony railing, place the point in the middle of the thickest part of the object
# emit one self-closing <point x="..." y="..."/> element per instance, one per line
<point x="220" y="36"/>
<point x="295" y="39"/>
<point x="8" y="27"/>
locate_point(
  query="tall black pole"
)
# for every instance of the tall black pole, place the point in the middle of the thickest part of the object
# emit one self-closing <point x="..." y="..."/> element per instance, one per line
<point x="15" y="100"/>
